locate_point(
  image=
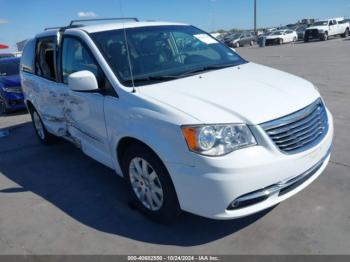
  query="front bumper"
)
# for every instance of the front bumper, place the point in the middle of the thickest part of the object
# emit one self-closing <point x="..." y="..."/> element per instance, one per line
<point x="13" y="101"/>
<point x="210" y="186"/>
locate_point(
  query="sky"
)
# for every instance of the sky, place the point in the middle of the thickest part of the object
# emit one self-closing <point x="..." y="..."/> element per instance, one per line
<point x="22" y="19"/>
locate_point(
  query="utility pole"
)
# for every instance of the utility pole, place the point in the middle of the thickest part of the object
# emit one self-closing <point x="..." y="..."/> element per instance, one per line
<point x="255" y="17"/>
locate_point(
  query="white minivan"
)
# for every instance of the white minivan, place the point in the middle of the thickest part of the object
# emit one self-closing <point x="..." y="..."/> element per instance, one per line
<point x="184" y="119"/>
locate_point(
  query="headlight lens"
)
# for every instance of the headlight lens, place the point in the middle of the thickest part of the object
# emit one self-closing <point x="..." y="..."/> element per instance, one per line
<point x="217" y="140"/>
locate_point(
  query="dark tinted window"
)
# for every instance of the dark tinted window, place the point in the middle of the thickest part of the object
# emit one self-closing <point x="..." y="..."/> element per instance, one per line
<point x="27" y="60"/>
<point x="9" y="67"/>
<point x="45" y="58"/>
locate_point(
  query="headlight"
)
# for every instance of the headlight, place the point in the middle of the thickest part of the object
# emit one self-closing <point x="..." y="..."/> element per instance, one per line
<point x="218" y="140"/>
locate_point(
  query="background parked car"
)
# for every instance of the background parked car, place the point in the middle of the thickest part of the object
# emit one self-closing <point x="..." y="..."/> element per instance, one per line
<point x="6" y="55"/>
<point x="281" y="37"/>
<point x="240" y="39"/>
<point x="11" y="96"/>
<point x="301" y="32"/>
<point x="322" y="30"/>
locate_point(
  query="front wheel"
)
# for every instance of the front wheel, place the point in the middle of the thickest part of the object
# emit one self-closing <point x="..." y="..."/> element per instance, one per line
<point x="324" y="37"/>
<point x="280" y="42"/>
<point x="150" y="186"/>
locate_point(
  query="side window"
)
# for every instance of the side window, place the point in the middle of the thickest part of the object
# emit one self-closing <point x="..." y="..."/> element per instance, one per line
<point x="45" y="58"/>
<point x="76" y="57"/>
<point x="28" y="56"/>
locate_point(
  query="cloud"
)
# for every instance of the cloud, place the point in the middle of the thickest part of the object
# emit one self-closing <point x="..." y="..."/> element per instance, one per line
<point x="86" y="14"/>
<point x="3" y="21"/>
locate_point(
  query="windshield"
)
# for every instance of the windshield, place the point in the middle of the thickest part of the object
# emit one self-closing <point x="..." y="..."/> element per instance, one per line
<point x="9" y="68"/>
<point x="320" y="23"/>
<point x="162" y="53"/>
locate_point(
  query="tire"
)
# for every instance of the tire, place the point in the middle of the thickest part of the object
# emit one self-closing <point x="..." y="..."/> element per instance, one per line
<point x="154" y="197"/>
<point x="324" y="37"/>
<point x="280" y="41"/>
<point x="294" y="39"/>
<point x="346" y="33"/>
<point x="3" y="109"/>
<point x="40" y="130"/>
<point x="251" y="43"/>
<point x="237" y="45"/>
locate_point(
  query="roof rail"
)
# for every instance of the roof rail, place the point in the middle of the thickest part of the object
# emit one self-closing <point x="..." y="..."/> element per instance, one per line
<point x="73" y="22"/>
<point x="102" y="19"/>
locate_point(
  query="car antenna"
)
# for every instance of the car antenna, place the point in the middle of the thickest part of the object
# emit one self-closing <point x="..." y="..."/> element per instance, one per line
<point x="127" y="48"/>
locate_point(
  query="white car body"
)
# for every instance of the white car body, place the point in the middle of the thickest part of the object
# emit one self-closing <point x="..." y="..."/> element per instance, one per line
<point x="332" y="27"/>
<point x="287" y="36"/>
<point x="251" y="94"/>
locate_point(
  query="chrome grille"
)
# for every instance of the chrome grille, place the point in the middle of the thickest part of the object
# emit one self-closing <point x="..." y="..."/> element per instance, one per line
<point x="299" y="131"/>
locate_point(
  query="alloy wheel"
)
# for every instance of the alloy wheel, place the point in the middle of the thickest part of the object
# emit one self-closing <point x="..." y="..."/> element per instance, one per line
<point x="146" y="184"/>
<point x="38" y="125"/>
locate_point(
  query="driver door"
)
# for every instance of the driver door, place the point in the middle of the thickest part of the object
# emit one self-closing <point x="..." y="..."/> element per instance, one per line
<point x="84" y="111"/>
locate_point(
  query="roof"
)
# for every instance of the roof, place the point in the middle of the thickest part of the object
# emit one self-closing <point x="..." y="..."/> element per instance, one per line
<point x="110" y="26"/>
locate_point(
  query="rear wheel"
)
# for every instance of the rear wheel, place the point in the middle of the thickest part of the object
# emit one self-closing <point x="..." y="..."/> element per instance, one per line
<point x="150" y="185"/>
<point x="44" y="136"/>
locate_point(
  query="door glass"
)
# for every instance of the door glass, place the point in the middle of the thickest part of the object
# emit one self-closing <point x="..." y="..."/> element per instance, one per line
<point x="76" y="57"/>
<point x="45" y="58"/>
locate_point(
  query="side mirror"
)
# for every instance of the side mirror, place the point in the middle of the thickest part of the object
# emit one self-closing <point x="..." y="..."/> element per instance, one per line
<point x="82" y="81"/>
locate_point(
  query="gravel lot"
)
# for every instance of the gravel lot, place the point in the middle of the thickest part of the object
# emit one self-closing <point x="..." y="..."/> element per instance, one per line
<point x="55" y="200"/>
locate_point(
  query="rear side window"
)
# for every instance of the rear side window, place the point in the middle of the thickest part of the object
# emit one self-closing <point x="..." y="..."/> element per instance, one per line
<point x="45" y="58"/>
<point x="28" y="55"/>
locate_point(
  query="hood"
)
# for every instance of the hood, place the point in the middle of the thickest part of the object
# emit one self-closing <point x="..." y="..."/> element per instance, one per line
<point x="249" y="93"/>
<point x="322" y="27"/>
<point x="273" y="36"/>
<point x="8" y="81"/>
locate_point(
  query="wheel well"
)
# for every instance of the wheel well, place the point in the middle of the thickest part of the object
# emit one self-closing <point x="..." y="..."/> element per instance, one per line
<point x="126" y="142"/>
<point x="30" y="106"/>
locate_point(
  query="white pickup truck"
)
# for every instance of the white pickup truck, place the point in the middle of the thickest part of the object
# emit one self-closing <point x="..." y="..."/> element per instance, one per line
<point x="323" y="29"/>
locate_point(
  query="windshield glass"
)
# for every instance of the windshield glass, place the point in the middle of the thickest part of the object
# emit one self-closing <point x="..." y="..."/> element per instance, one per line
<point x="161" y="53"/>
<point x="320" y="23"/>
<point x="9" y="68"/>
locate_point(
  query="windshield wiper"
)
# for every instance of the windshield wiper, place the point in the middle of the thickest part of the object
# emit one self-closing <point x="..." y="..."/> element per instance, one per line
<point x="204" y="69"/>
<point x="151" y="78"/>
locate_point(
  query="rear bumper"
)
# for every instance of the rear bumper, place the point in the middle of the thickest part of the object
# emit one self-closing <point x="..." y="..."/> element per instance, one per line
<point x="211" y="185"/>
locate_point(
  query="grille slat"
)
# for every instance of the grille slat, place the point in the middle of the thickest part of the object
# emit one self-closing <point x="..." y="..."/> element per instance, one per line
<point x="299" y="131"/>
<point x="294" y="124"/>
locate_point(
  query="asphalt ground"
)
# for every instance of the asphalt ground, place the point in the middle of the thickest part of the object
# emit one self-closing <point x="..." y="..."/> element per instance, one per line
<point x="55" y="200"/>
